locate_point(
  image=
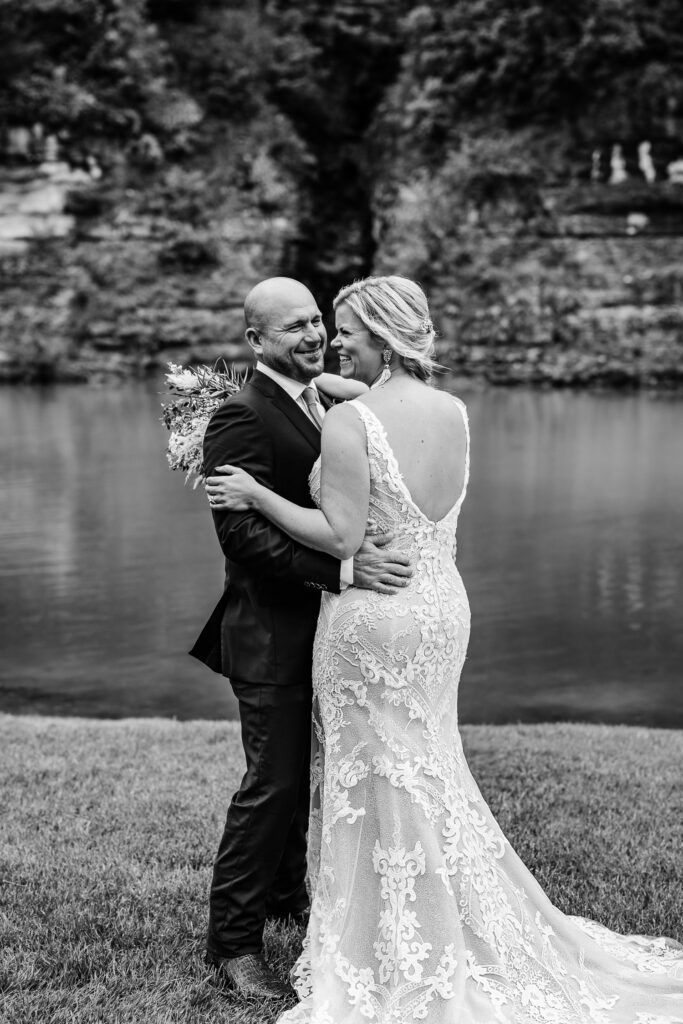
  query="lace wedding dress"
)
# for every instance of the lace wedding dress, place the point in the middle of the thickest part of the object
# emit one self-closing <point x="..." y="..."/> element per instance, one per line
<point x="421" y="911"/>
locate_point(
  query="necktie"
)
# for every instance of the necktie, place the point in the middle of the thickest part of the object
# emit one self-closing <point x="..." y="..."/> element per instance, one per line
<point x="311" y="400"/>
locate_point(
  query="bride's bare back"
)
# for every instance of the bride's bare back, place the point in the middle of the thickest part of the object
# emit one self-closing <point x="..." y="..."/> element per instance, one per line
<point x="426" y="432"/>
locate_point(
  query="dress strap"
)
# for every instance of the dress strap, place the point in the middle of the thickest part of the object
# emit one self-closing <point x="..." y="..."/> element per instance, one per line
<point x="463" y="409"/>
<point x="373" y="428"/>
<point x="377" y="443"/>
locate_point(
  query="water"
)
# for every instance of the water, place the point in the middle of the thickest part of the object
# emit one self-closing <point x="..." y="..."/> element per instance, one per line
<point x="570" y="546"/>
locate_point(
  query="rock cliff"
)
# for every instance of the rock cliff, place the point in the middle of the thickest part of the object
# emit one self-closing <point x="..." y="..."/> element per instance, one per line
<point x="525" y="167"/>
<point x="558" y="283"/>
<point x="100" y="276"/>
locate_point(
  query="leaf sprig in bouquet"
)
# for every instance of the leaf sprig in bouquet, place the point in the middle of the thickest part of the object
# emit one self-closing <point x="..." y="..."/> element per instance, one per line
<point x="196" y="392"/>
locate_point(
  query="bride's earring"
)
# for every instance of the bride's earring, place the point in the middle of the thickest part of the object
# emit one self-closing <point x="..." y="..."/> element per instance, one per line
<point x="386" y="372"/>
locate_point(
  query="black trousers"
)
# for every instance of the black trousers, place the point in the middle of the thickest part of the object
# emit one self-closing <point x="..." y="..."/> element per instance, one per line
<point x="260" y="866"/>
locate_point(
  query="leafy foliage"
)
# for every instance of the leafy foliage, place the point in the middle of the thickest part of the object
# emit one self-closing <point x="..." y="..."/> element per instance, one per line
<point x="95" y="65"/>
<point x="222" y="52"/>
<point x="601" y="65"/>
<point x="81" y="66"/>
<point x="195" y="394"/>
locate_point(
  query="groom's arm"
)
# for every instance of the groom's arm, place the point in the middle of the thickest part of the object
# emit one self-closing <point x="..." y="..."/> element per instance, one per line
<point x="236" y="435"/>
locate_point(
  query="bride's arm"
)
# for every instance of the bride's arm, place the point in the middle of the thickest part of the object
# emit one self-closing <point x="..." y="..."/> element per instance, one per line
<point x="338" y="527"/>
<point x="341" y="388"/>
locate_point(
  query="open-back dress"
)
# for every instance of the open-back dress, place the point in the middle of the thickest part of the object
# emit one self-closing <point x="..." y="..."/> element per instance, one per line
<point x="421" y="910"/>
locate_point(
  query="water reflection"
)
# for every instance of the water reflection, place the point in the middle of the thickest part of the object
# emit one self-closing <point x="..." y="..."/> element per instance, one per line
<point x="108" y="562"/>
<point x="574" y="561"/>
<point x="570" y="547"/>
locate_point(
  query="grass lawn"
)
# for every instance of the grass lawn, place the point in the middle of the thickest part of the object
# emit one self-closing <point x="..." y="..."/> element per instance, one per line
<point x="109" y="830"/>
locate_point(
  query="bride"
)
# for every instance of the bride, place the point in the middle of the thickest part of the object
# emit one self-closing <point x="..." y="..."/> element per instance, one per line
<point x="420" y="908"/>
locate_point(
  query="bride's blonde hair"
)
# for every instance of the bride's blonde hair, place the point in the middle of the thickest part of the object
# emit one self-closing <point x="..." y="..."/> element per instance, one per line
<point x="394" y="310"/>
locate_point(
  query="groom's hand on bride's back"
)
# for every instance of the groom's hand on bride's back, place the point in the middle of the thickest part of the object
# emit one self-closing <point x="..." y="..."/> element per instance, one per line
<point x="376" y="566"/>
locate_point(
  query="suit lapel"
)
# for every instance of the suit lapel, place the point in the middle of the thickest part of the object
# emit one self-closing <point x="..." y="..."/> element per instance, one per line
<point x="289" y="408"/>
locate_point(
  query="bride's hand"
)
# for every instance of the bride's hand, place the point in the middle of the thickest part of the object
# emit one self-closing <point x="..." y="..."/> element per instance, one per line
<point x="233" y="491"/>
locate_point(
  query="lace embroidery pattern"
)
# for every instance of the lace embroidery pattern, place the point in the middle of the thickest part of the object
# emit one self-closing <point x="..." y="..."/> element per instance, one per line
<point x="420" y="908"/>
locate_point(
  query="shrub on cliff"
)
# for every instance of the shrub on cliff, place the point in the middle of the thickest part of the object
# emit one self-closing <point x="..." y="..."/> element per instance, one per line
<point x="86" y="67"/>
<point x="222" y="53"/>
<point x="604" y="67"/>
<point x="190" y="251"/>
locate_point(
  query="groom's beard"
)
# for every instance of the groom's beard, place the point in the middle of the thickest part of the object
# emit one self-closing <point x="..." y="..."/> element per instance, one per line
<point x="301" y="364"/>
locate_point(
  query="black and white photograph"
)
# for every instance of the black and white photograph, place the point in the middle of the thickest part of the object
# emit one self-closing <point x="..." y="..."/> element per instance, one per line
<point x="341" y="512"/>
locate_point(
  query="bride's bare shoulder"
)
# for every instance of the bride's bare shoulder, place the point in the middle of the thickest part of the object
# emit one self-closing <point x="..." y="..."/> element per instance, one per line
<point x="342" y="417"/>
<point x="449" y="409"/>
<point x="416" y="398"/>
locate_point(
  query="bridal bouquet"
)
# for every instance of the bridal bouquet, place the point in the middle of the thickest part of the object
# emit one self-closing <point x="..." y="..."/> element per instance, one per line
<point x="195" y="392"/>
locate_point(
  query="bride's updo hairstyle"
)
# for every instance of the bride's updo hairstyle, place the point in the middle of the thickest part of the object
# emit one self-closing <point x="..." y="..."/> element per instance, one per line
<point x="395" y="311"/>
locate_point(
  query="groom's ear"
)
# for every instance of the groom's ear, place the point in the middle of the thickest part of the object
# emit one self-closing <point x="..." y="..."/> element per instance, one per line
<point x="253" y="339"/>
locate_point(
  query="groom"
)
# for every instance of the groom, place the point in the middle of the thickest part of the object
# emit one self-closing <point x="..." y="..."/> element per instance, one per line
<point x="261" y="633"/>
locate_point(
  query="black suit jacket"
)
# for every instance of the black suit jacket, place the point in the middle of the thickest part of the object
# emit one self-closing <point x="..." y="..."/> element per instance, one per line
<point x="262" y="628"/>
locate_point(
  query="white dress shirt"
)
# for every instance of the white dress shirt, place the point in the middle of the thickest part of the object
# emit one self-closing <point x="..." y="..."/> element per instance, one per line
<point x="295" y="389"/>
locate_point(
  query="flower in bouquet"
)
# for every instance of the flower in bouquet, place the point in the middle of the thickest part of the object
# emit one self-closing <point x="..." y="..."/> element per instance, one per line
<point x="195" y="393"/>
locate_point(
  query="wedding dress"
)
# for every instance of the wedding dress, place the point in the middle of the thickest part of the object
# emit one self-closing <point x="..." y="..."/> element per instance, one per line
<point x="421" y="911"/>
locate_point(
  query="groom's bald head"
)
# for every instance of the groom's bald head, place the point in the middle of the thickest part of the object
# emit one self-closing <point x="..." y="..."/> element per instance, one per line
<point x="268" y="299"/>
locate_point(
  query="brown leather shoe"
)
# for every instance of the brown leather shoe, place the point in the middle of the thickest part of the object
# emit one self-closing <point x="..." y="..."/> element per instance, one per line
<point x="251" y="976"/>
